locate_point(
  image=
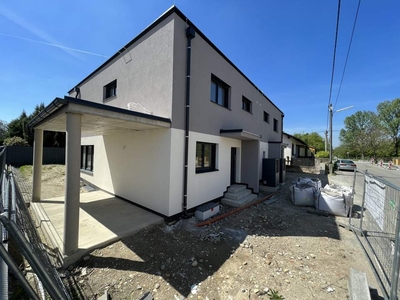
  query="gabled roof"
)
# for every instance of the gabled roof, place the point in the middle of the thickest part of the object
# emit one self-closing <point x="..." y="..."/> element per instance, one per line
<point x="295" y="138"/>
<point x="171" y="10"/>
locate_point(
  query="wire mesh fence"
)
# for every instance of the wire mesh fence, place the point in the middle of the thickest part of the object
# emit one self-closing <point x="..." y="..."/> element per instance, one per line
<point x="18" y="227"/>
<point x="27" y="226"/>
<point x="377" y="204"/>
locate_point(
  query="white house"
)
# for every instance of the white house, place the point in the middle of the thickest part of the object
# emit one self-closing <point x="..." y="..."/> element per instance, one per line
<point x="295" y="147"/>
<point x="168" y="123"/>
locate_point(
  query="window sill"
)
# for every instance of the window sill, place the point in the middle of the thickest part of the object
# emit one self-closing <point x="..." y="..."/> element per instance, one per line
<point x="109" y="98"/>
<point x="87" y="172"/>
<point x="220" y="105"/>
<point x="247" y="111"/>
<point x="206" y="171"/>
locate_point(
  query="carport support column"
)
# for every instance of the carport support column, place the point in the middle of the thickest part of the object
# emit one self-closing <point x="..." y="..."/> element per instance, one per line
<point x="72" y="183"/>
<point x="37" y="165"/>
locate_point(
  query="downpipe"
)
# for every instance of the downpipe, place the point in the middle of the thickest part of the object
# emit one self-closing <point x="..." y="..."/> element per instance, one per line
<point x="190" y="34"/>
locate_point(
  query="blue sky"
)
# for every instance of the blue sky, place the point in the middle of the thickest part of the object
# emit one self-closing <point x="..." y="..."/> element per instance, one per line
<point x="284" y="47"/>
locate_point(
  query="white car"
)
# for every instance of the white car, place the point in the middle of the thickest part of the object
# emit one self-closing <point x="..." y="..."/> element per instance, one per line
<point x="345" y="164"/>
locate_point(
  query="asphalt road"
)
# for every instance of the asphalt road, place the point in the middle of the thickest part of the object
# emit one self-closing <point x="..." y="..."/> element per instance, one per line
<point x="346" y="178"/>
<point x="391" y="175"/>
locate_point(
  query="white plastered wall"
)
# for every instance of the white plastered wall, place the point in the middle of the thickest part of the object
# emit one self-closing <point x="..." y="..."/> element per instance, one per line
<point x="176" y="171"/>
<point x="135" y="166"/>
<point x="207" y="186"/>
<point x="101" y="176"/>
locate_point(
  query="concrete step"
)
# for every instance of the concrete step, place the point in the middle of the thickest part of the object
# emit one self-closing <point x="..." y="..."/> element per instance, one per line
<point x="239" y="202"/>
<point x="238" y="195"/>
<point x="236" y="188"/>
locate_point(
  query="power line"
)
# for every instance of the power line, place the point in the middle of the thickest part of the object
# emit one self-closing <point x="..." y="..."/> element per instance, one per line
<point x="334" y="58"/>
<point x="348" y="50"/>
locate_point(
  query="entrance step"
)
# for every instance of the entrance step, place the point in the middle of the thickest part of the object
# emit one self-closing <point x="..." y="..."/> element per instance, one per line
<point x="235" y="188"/>
<point x="238" y="196"/>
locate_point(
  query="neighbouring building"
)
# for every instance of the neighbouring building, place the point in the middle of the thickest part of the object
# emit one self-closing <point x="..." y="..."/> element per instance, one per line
<point x="295" y="148"/>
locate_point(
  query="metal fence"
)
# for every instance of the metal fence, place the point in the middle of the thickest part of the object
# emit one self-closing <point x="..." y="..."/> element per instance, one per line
<point x="17" y="226"/>
<point x="375" y="219"/>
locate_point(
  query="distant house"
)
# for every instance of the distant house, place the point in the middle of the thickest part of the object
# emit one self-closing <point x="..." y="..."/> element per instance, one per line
<point x="295" y="147"/>
<point x="168" y="122"/>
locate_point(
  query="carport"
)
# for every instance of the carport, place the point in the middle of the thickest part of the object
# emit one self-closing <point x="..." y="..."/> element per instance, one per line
<point x="80" y="118"/>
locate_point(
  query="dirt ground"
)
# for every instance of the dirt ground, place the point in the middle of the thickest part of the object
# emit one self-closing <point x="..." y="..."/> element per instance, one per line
<point x="271" y="247"/>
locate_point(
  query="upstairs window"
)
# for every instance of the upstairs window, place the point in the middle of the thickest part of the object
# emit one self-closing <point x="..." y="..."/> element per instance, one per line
<point x="266" y="117"/>
<point x="87" y="158"/>
<point x="246" y="104"/>
<point x="205" y="157"/>
<point x="219" y="91"/>
<point x="110" y="90"/>
<point x="276" y="125"/>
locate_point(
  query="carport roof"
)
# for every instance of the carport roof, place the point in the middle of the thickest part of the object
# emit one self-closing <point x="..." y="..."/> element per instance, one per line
<point x="97" y="118"/>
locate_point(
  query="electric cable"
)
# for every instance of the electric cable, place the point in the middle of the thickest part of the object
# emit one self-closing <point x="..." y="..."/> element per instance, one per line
<point x="334" y="59"/>
<point x="348" y="51"/>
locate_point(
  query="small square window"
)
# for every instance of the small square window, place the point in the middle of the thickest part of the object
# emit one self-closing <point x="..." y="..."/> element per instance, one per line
<point x="205" y="157"/>
<point x="266" y="117"/>
<point x="276" y="125"/>
<point x="219" y="91"/>
<point x="246" y="104"/>
<point x="110" y="90"/>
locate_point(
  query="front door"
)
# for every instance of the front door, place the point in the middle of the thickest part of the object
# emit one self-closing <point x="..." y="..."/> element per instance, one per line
<point x="233" y="165"/>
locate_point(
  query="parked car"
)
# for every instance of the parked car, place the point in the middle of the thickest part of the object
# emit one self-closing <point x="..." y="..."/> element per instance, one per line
<point x="345" y="164"/>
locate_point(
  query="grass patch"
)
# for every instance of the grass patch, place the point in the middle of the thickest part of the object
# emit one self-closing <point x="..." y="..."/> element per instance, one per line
<point x="26" y="171"/>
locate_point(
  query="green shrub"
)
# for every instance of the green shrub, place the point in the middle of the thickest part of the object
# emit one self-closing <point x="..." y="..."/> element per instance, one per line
<point x="322" y="154"/>
<point x="15" y="141"/>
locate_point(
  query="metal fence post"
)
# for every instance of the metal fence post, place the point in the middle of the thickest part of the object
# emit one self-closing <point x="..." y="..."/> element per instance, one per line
<point x="363" y="202"/>
<point x="4" y="239"/>
<point x="13" y="199"/>
<point x="396" y="261"/>
<point x="353" y="191"/>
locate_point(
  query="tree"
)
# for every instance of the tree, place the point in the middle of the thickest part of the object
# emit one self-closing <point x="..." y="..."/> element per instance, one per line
<point x="359" y="132"/>
<point x="3" y="131"/>
<point x="389" y="116"/>
<point x="17" y="127"/>
<point x="313" y="140"/>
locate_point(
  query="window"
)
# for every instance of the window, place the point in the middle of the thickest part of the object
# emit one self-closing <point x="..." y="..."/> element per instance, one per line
<point x="110" y="90"/>
<point x="276" y="125"/>
<point x="266" y="117"/>
<point x="87" y="153"/>
<point x="205" y="157"/>
<point x="219" y="92"/>
<point x="246" y="104"/>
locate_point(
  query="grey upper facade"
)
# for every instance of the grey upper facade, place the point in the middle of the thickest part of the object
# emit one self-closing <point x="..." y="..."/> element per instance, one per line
<point x="149" y="76"/>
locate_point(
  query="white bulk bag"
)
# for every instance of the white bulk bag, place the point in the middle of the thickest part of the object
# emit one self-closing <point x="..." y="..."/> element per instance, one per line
<point x="303" y="195"/>
<point x="309" y="181"/>
<point x="334" y="202"/>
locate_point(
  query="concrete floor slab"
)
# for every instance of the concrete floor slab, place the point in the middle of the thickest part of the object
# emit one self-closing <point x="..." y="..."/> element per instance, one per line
<point x="103" y="219"/>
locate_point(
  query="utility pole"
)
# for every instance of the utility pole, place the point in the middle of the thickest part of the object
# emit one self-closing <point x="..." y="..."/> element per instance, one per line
<point x="326" y="140"/>
<point x="330" y="132"/>
<point x="330" y="128"/>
